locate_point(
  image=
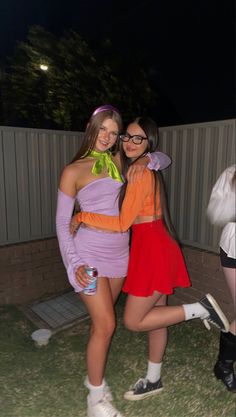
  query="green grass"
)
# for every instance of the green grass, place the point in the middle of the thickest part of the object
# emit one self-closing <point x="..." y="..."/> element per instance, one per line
<point x="48" y="381"/>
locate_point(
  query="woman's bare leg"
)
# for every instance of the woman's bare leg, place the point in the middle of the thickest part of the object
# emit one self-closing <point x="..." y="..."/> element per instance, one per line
<point x="141" y="314"/>
<point x="116" y="285"/>
<point x="101" y="310"/>
<point x="157" y="339"/>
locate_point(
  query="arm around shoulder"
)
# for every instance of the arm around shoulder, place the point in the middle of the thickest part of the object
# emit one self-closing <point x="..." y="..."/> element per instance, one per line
<point x="158" y="161"/>
<point x="135" y="195"/>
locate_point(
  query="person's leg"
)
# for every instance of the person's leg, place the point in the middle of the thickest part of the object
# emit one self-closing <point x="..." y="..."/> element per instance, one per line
<point x="223" y="368"/>
<point x="230" y="277"/>
<point x="101" y="310"/>
<point x="151" y="384"/>
<point x="116" y="285"/>
<point x="157" y="340"/>
<point x="149" y="314"/>
<point x="141" y="314"/>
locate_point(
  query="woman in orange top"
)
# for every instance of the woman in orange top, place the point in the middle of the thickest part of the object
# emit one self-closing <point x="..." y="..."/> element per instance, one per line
<point x="156" y="264"/>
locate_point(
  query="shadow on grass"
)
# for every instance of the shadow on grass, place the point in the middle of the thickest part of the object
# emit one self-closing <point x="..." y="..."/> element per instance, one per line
<point x="48" y="381"/>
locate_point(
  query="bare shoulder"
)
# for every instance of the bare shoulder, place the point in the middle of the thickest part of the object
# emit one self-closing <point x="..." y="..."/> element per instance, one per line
<point x="78" y="167"/>
<point x="71" y="171"/>
<point x="71" y="177"/>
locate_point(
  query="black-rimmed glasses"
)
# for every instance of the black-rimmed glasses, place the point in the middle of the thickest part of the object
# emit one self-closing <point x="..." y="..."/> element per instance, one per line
<point x="136" y="139"/>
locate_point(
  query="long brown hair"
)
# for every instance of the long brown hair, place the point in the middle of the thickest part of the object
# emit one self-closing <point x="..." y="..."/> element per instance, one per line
<point x="150" y="128"/>
<point x="92" y="130"/>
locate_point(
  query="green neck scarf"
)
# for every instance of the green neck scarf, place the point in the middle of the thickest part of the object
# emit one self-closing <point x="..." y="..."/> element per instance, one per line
<point x="103" y="160"/>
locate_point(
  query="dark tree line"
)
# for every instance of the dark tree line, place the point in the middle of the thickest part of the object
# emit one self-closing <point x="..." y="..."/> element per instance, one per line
<point x="53" y="82"/>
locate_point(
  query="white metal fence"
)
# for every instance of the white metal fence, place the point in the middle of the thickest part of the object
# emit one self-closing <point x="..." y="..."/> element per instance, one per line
<point x="30" y="165"/>
<point x="31" y="161"/>
<point x="200" y="152"/>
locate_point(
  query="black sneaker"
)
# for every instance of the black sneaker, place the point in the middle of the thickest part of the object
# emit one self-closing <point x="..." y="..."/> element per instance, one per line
<point x="215" y="314"/>
<point x="143" y="389"/>
<point x="225" y="372"/>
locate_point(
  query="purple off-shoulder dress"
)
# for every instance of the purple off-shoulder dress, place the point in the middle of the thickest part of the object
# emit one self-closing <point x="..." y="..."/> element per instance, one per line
<point x="108" y="252"/>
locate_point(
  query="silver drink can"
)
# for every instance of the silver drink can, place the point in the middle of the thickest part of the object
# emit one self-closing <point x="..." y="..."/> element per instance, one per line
<point x="92" y="287"/>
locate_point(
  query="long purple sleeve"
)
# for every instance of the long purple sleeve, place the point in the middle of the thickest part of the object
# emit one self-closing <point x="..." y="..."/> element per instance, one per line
<point x="71" y="259"/>
<point x="158" y="161"/>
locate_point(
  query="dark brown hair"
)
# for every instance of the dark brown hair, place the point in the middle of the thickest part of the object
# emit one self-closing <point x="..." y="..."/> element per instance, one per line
<point x="150" y="128"/>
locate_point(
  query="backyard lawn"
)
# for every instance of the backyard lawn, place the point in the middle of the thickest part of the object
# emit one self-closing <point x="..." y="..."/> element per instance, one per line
<point x="48" y="381"/>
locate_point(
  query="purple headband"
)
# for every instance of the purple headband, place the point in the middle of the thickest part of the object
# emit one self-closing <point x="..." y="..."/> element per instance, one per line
<point x="105" y="107"/>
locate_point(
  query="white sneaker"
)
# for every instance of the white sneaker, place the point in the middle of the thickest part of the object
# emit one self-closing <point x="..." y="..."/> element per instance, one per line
<point x="107" y="393"/>
<point x="102" y="409"/>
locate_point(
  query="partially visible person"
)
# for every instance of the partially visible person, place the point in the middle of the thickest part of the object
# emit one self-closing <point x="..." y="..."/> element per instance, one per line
<point x="221" y="211"/>
<point x="156" y="264"/>
<point x="93" y="179"/>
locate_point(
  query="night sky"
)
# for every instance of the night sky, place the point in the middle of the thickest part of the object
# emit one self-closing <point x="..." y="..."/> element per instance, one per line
<point x="188" y="46"/>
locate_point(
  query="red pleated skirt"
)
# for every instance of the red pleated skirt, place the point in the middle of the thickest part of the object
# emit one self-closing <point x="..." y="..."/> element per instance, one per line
<point x="156" y="262"/>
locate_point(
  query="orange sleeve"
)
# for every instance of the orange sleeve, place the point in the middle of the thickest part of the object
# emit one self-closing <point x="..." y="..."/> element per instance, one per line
<point x="133" y="203"/>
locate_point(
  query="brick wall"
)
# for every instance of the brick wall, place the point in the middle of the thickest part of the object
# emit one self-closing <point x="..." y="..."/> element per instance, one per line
<point x="30" y="271"/>
<point x="34" y="270"/>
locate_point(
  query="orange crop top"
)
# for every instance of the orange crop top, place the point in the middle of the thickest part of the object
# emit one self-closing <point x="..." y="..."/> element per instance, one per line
<point x="138" y="201"/>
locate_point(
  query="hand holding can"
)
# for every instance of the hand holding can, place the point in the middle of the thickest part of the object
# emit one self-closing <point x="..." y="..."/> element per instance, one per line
<point x="92" y="287"/>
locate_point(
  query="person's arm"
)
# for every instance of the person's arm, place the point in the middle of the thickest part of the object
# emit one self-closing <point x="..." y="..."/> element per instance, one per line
<point x="222" y="206"/>
<point x="153" y="161"/>
<point x="70" y="257"/>
<point x="65" y="207"/>
<point x="158" y="161"/>
<point x="135" y="195"/>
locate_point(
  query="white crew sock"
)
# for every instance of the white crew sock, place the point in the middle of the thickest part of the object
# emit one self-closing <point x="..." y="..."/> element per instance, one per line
<point x="154" y="371"/>
<point x="96" y="393"/>
<point x="195" y="311"/>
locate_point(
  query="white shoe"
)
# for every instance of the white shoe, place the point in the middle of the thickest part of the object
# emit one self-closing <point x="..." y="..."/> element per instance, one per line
<point x="107" y="393"/>
<point x="102" y="409"/>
